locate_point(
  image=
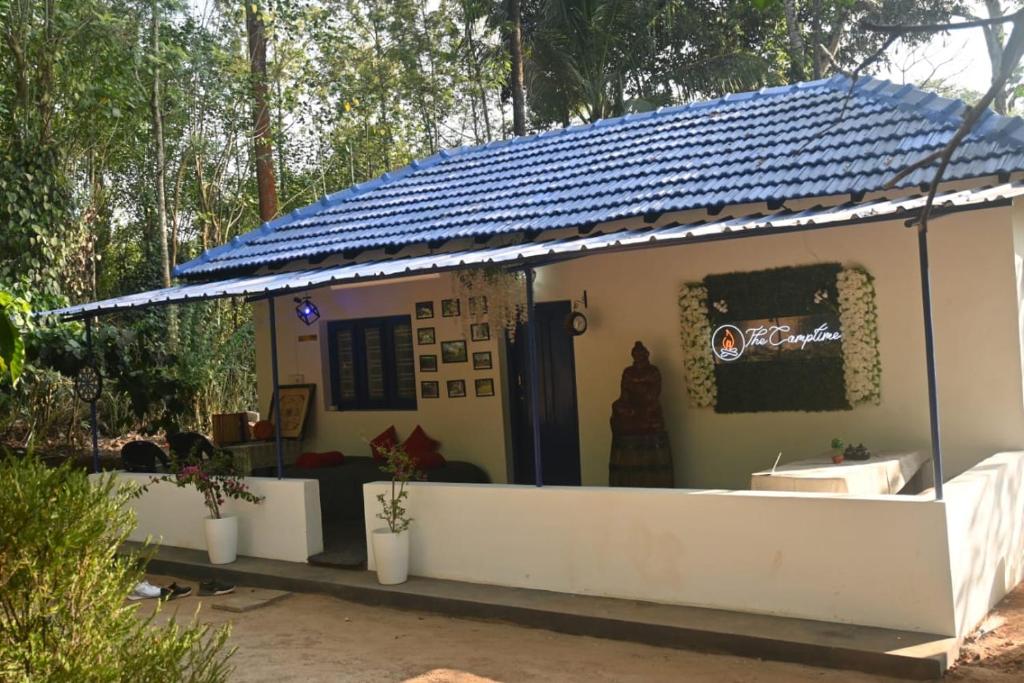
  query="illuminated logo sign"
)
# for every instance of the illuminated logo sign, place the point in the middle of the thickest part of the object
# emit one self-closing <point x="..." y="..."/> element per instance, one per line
<point x="771" y="338"/>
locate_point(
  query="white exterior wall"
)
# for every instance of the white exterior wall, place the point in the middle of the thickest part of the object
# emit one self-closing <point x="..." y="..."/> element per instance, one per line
<point x="468" y="428"/>
<point x="633" y="295"/>
<point x="285" y="526"/>
<point x="986" y="535"/>
<point x="897" y="562"/>
<point x="877" y="562"/>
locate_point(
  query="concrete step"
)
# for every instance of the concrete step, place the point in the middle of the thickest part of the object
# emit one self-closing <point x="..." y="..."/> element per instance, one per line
<point x="902" y="654"/>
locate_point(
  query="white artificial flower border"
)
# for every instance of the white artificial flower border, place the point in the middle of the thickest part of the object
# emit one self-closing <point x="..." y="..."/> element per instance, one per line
<point x="858" y="321"/>
<point x="695" y="335"/>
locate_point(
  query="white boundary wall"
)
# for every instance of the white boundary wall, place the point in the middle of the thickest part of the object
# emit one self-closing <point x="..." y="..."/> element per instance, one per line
<point x="985" y="508"/>
<point x="877" y="561"/>
<point x="285" y="526"/>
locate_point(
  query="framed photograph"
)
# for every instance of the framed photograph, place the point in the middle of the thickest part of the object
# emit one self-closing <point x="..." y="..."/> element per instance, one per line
<point x="482" y="360"/>
<point x="425" y="336"/>
<point x="454" y="351"/>
<point x="430" y="389"/>
<point x="480" y="331"/>
<point x="424" y="310"/>
<point x="485" y="387"/>
<point x="450" y="308"/>
<point x="428" y="363"/>
<point x="477" y="306"/>
<point x="456" y="388"/>
<point x="295" y="402"/>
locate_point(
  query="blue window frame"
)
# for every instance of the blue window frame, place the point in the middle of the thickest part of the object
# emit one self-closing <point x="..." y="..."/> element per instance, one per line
<point x="372" y="364"/>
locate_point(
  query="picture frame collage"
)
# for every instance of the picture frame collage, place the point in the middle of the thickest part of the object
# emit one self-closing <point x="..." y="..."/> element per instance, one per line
<point x="453" y="351"/>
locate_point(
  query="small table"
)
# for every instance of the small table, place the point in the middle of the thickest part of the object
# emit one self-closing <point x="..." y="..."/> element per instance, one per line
<point x="884" y="473"/>
<point x="256" y="454"/>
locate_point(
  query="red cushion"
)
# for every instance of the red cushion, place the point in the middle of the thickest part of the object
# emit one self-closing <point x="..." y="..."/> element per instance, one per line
<point x="308" y="461"/>
<point x="423" y="450"/>
<point x="331" y="458"/>
<point x="384" y="441"/>
<point x="312" y="461"/>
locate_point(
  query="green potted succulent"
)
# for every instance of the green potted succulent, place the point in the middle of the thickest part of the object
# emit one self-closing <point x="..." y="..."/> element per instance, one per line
<point x="837" y="451"/>
<point x="391" y="542"/>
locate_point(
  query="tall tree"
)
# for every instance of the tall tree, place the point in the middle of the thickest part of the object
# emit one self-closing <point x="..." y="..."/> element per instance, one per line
<point x="515" y="11"/>
<point x="264" y="152"/>
<point x="159" y="153"/>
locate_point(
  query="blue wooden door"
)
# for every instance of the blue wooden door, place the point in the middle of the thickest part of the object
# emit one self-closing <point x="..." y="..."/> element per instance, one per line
<point x="559" y="421"/>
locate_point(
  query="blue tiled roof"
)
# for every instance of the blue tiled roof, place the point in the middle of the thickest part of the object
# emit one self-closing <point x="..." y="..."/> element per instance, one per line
<point x="804" y="140"/>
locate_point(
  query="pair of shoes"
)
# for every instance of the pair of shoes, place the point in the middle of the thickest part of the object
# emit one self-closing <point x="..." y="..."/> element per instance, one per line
<point x="174" y="591"/>
<point x="215" y="588"/>
<point x="145" y="590"/>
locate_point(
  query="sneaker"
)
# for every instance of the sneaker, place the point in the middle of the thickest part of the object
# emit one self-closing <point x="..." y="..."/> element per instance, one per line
<point x="145" y="590"/>
<point x="174" y="591"/>
<point x="215" y="588"/>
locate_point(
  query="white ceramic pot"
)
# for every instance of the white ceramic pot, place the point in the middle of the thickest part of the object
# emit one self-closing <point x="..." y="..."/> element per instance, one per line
<point x="222" y="539"/>
<point x="391" y="553"/>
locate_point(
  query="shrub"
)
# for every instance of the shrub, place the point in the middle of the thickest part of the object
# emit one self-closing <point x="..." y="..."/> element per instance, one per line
<point x="63" y="614"/>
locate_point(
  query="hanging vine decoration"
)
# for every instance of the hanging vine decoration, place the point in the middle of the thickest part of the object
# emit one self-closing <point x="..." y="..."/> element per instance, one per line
<point x="500" y="297"/>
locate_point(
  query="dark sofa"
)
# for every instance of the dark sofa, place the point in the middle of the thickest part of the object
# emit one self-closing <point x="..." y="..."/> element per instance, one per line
<point x="341" y="487"/>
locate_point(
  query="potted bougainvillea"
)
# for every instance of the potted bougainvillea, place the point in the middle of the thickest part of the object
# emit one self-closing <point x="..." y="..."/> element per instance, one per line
<point x="216" y="481"/>
<point x="391" y="543"/>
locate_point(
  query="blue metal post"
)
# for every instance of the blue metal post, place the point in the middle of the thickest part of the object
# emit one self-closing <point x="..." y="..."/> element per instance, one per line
<point x="93" y="421"/>
<point x="929" y="355"/>
<point x="531" y="346"/>
<point x="276" y="396"/>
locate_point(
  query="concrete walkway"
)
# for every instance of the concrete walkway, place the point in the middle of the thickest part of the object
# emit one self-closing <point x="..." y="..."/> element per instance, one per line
<point x="900" y="654"/>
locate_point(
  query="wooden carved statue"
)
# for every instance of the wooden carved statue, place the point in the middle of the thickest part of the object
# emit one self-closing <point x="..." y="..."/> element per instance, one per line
<point x="638" y="408"/>
<point x="641" y="455"/>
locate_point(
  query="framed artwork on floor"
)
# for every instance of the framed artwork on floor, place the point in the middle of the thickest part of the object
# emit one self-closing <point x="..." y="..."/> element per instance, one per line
<point x="295" y="401"/>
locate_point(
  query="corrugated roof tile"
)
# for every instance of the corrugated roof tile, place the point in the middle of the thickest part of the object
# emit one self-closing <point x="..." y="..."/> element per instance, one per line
<point x="785" y="142"/>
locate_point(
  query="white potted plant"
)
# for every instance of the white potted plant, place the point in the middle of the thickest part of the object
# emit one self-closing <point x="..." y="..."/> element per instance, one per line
<point x="391" y="543"/>
<point x="217" y="483"/>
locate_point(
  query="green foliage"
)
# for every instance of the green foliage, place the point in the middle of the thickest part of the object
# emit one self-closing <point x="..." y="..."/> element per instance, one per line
<point x="12" y="346"/>
<point x="402" y="469"/>
<point x="214" y="478"/>
<point x="802" y="381"/>
<point x="63" y="616"/>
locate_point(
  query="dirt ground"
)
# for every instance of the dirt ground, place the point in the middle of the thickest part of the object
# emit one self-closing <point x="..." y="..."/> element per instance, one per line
<point x="996" y="652"/>
<point x="318" y="638"/>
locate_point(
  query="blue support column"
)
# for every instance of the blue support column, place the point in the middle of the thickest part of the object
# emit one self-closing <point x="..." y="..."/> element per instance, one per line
<point x="531" y="345"/>
<point x="929" y="354"/>
<point x="93" y="421"/>
<point x="276" y="396"/>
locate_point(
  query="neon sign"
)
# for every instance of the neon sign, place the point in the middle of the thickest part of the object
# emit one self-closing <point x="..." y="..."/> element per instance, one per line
<point x="768" y="339"/>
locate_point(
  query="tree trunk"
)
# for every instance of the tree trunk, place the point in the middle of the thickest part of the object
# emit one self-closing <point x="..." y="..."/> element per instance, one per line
<point x="796" y="42"/>
<point x="159" y="154"/>
<point x="518" y="93"/>
<point x="995" y="38"/>
<point x="264" y="152"/>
